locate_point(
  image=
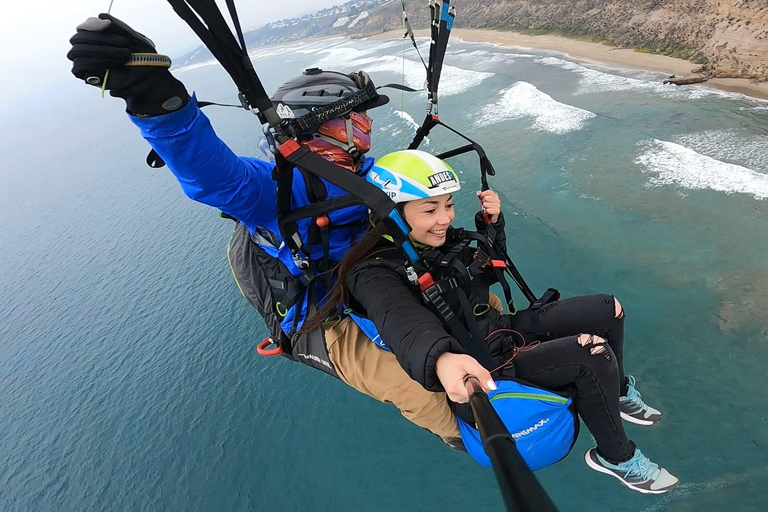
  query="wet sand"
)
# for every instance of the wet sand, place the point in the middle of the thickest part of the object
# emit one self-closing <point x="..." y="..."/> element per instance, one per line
<point x="599" y="54"/>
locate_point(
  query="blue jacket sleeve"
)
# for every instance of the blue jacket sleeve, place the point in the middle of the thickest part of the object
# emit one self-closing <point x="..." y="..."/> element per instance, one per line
<point x="207" y="170"/>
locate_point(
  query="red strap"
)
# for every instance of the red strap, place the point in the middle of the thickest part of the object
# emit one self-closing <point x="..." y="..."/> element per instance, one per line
<point x="261" y="348"/>
<point x="425" y="281"/>
<point x="498" y="264"/>
<point x="288" y="147"/>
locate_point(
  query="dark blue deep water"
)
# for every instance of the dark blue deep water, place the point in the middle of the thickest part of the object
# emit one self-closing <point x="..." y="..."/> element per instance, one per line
<point x="128" y="375"/>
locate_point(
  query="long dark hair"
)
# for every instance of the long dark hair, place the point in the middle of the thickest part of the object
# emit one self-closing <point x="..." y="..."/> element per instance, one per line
<point x="339" y="293"/>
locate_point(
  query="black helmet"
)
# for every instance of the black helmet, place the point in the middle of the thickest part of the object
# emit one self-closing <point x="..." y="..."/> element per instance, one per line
<point x="317" y="96"/>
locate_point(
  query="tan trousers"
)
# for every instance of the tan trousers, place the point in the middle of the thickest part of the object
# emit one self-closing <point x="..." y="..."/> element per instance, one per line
<point x="375" y="372"/>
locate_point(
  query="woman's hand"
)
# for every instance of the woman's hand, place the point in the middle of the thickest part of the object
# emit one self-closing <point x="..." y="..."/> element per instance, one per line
<point x="490" y="203"/>
<point x="452" y="369"/>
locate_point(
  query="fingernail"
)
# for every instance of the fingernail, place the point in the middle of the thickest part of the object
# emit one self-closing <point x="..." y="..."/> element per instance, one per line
<point x="491" y="385"/>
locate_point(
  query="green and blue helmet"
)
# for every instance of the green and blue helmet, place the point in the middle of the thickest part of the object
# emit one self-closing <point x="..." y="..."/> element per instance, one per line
<point x="411" y="174"/>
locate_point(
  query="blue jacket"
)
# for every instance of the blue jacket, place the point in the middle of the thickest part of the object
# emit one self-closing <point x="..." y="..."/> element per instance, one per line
<point x="242" y="187"/>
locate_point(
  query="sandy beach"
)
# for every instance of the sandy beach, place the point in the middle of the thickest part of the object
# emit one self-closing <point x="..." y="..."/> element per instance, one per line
<point x="599" y="54"/>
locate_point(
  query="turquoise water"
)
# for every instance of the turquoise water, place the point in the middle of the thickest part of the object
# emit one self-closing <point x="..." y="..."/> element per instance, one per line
<point x="127" y="366"/>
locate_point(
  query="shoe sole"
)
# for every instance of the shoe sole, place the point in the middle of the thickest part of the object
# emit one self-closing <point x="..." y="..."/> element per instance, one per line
<point x="601" y="469"/>
<point x="637" y="421"/>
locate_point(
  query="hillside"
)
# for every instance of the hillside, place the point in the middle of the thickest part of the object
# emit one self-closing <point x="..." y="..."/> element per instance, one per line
<point x="729" y="37"/>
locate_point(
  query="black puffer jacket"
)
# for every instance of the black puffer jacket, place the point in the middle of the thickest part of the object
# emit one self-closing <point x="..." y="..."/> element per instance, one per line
<point x="380" y="290"/>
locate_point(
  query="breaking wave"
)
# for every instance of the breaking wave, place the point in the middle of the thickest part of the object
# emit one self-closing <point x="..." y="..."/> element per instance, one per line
<point x="454" y="80"/>
<point x="673" y="164"/>
<point x="729" y="145"/>
<point x="525" y="100"/>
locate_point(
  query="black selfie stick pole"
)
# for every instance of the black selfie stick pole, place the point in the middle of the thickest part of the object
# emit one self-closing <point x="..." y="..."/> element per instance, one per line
<point x="521" y="490"/>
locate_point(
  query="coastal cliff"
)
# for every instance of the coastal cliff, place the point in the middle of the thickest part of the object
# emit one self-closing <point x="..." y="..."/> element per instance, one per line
<point x="729" y="38"/>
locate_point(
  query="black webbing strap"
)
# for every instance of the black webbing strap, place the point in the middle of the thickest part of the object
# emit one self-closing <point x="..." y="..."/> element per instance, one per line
<point x="518" y="279"/>
<point x="325" y="237"/>
<point x="429" y="122"/>
<point x="212" y="29"/>
<point x="476" y="339"/>
<point x="444" y="32"/>
<point x="283" y="176"/>
<point x="495" y="253"/>
<point x="378" y="201"/>
<point x="321" y="208"/>
<point x="474" y="345"/>
<point x="291" y="155"/>
<point x="434" y="28"/>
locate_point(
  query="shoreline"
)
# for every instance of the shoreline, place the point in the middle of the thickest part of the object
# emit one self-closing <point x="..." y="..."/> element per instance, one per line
<point x="598" y="54"/>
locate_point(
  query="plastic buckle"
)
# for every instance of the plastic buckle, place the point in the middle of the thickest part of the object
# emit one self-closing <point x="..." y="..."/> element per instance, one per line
<point x="288" y="147"/>
<point x="426" y="282"/>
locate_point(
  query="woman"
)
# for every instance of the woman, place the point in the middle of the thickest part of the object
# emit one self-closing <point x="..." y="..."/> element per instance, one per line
<point x="571" y="343"/>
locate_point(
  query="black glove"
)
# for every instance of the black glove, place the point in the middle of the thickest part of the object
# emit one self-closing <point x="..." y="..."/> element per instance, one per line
<point x="106" y="43"/>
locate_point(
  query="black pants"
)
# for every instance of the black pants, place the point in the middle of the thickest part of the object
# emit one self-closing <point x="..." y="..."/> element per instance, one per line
<point x="560" y="362"/>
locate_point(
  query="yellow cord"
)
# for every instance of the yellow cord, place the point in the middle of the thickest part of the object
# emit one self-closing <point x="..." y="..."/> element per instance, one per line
<point x="106" y="75"/>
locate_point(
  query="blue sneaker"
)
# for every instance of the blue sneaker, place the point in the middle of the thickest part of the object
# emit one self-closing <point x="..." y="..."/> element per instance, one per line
<point x="638" y="473"/>
<point x="634" y="410"/>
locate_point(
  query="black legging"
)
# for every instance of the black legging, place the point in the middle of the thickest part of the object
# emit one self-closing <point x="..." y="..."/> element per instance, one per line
<point x="587" y="314"/>
<point x="560" y="361"/>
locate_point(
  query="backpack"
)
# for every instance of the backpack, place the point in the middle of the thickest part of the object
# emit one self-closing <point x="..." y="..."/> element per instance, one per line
<point x="265" y="281"/>
<point x="543" y="424"/>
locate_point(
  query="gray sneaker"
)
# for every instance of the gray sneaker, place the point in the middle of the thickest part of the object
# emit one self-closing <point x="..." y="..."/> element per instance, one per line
<point x="638" y="473"/>
<point x="634" y="410"/>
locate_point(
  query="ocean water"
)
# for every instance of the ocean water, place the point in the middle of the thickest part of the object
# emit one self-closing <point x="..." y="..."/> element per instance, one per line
<point x="128" y="375"/>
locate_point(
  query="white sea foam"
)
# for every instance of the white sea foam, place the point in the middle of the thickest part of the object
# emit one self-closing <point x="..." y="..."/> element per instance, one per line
<point x="452" y="81"/>
<point x="484" y="59"/>
<point x="382" y="45"/>
<point x="405" y="124"/>
<point x="525" y="100"/>
<point x="405" y="116"/>
<point x="673" y="164"/>
<point x="296" y="47"/>
<point x="729" y="145"/>
<point x="343" y="57"/>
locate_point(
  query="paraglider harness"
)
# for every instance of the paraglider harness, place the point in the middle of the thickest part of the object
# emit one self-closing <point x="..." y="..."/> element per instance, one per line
<point x="446" y="278"/>
<point x="205" y="18"/>
<point x="252" y="266"/>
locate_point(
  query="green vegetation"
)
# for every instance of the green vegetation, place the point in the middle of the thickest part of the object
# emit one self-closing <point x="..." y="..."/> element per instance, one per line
<point x="672" y="49"/>
<point x="571" y="33"/>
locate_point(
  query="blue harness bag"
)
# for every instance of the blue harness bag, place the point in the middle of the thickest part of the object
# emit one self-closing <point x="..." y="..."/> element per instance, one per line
<point x="541" y="422"/>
